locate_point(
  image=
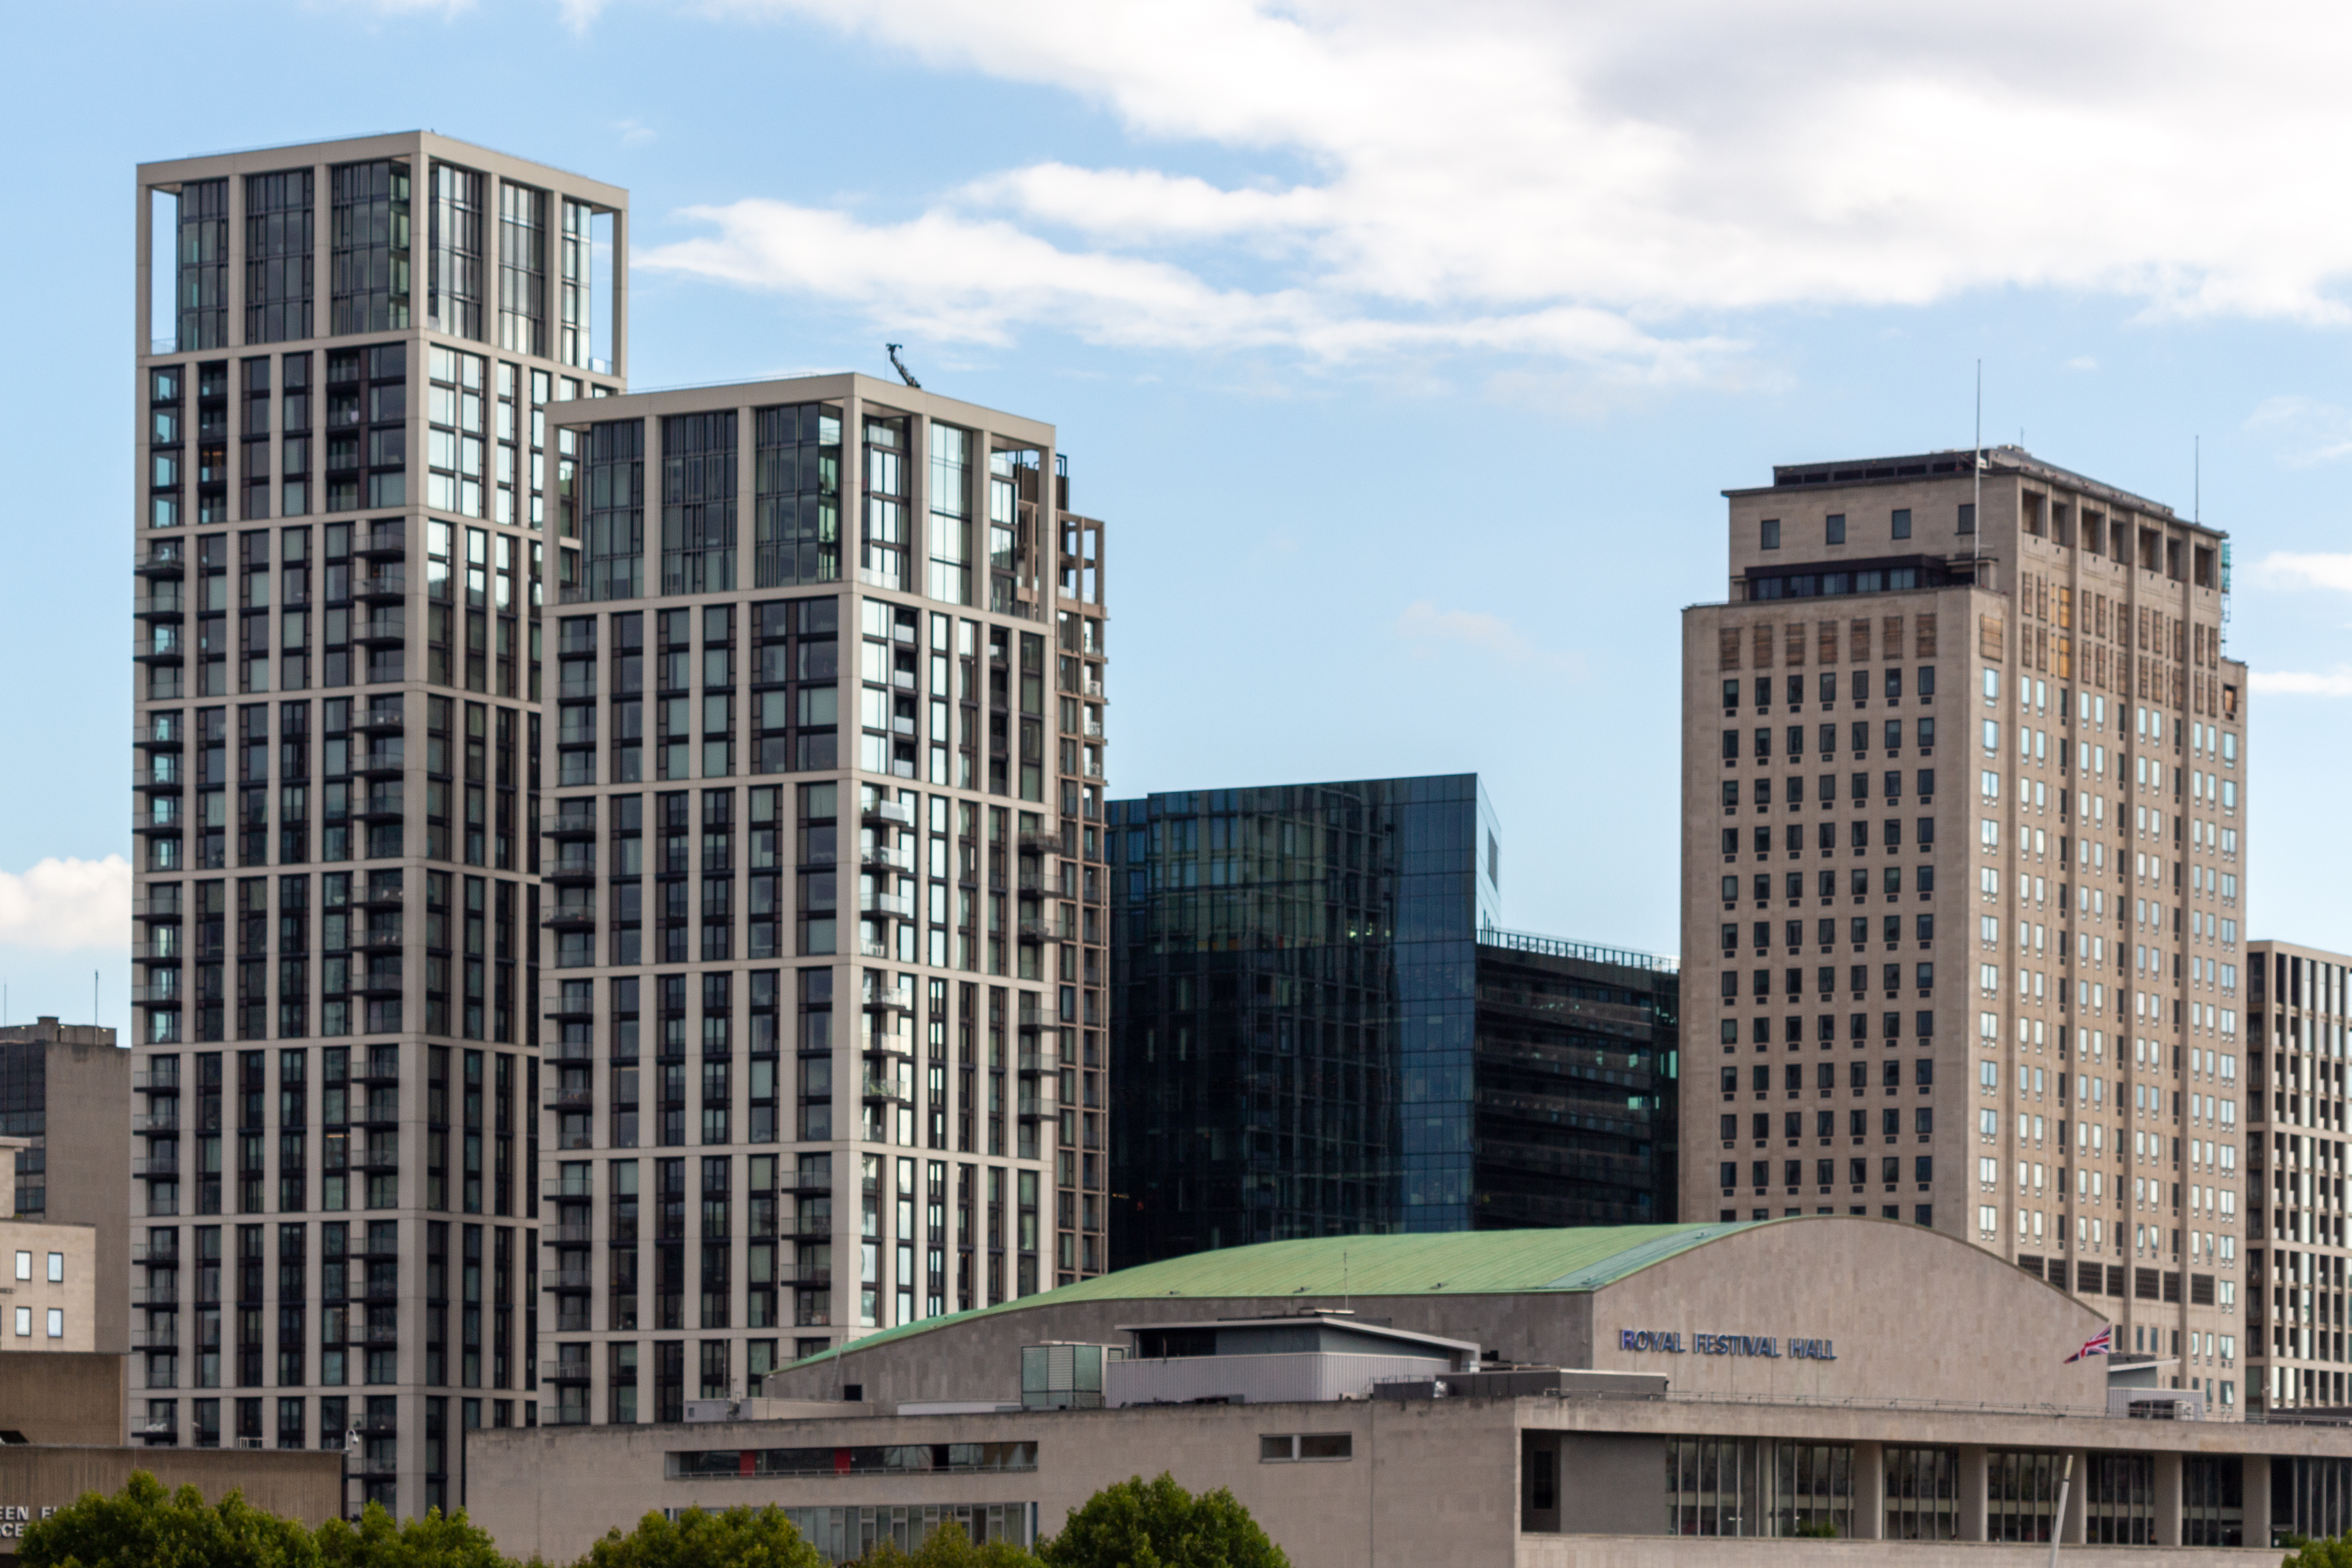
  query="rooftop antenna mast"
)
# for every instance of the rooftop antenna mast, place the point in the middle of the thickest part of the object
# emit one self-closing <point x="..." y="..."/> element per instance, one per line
<point x="1976" y="504"/>
<point x="2197" y="480"/>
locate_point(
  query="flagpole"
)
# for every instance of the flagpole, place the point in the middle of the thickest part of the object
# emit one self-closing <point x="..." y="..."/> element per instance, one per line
<point x="2058" y="1523"/>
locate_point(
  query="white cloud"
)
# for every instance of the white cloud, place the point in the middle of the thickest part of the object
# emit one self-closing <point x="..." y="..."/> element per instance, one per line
<point x="2288" y="569"/>
<point x="1426" y="629"/>
<point x="2083" y="362"/>
<point x="1592" y="182"/>
<point x="67" y="904"/>
<point x="2305" y="430"/>
<point x="635" y="132"/>
<point x="2336" y="682"/>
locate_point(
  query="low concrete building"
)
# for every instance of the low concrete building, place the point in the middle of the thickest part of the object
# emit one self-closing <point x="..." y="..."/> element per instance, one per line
<point x="1528" y="1397"/>
<point x="49" y="1276"/>
<point x="65" y="1088"/>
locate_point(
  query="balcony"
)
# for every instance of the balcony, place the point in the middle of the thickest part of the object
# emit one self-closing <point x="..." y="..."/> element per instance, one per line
<point x="572" y="917"/>
<point x="1040" y="844"/>
<point x="556" y="1192"/>
<point x="158" y="732"/>
<point x="563" y="1371"/>
<point x="573" y="871"/>
<point x="567" y="1281"/>
<point x="1093" y="689"/>
<point x="891" y="812"/>
<point x="882" y="858"/>
<point x="577" y="821"/>
<point x="894" y="1088"/>
<point x="880" y="905"/>
<point x="165" y="558"/>
<point x="1041" y="930"/>
<point x="380" y="630"/>
<point x="153" y="1082"/>
<point x="386" y="723"/>
<point x="157" y="1121"/>
<point x="158" y="814"/>
<point x="388" y="581"/>
<point x="163" y="1295"/>
<point x="159" y="644"/>
<point x="567" y="1234"/>
<point x="568" y="1099"/>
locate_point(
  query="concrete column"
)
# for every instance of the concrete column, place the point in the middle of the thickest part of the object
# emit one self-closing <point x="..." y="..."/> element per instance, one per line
<point x="2257" y="1491"/>
<point x="2070" y="1529"/>
<point x="2168" y="1500"/>
<point x="1972" y="1500"/>
<point x="1869" y="1491"/>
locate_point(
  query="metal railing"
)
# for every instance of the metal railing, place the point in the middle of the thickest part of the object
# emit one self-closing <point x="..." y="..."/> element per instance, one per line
<point x="1592" y="953"/>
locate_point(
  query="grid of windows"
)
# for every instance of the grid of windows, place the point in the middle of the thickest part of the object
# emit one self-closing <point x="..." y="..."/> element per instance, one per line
<point x="279" y="227"/>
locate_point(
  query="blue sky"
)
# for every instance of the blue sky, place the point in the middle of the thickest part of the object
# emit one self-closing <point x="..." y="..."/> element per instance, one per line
<point x="1382" y="334"/>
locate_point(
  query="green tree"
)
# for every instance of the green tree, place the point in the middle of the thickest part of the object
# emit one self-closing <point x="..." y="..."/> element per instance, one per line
<point x="432" y="1541"/>
<point x="2332" y="1553"/>
<point x="950" y="1547"/>
<point x="737" y="1538"/>
<point x="1158" y="1524"/>
<point x="143" y="1526"/>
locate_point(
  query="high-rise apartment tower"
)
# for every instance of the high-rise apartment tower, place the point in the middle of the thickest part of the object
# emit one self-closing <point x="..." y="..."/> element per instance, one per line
<point x="2298" y="1004"/>
<point x="380" y="447"/>
<point x="825" y="884"/>
<point x="1963" y="790"/>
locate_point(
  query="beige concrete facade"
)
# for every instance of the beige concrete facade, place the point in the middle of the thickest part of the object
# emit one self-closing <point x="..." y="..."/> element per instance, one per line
<point x="2008" y="1009"/>
<point x="290" y="963"/>
<point x="929" y="1046"/>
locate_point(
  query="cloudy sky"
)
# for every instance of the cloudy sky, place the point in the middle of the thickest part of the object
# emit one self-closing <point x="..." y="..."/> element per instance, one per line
<point x="1405" y="347"/>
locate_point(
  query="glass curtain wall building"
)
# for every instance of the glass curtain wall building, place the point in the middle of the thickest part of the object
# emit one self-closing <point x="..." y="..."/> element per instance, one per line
<point x="346" y="465"/>
<point x="1320" y="1031"/>
<point x="826" y="892"/>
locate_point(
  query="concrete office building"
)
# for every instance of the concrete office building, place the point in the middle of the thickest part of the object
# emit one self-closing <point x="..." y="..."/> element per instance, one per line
<point x="63" y="1087"/>
<point x="1635" y="1394"/>
<point x="826" y="895"/>
<point x="2297" y="1008"/>
<point x="1964" y="784"/>
<point x="49" y="1276"/>
<point x="1319" y="1029"/>
<point x="380" y="445"/>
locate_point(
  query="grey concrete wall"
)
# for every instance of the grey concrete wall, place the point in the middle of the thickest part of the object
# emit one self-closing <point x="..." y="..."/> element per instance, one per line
<point x="1911" y="1314"/>
<point x="1426" y="1483"/>
<point x="89" y="1156"/>
<point x="307" y="1486"/>
<point x="64" y="1397"/>
<point x="1613" y="1483"/>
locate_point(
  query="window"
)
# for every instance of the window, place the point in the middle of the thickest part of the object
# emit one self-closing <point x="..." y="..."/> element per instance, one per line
<point x="24" y="1266"/>
<point x="1901" y="526"/>
<point x="1305" y="1446"/>
<point x="57" y="1267"/>
<point x="24" y="1322"/>
<point x="1833" y="529"/>
<point x="57" y="1323"/>
<point x="1771" y="533"/>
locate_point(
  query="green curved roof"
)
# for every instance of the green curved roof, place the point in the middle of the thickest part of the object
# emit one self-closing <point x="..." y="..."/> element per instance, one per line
<point x="1452" y="1263"/>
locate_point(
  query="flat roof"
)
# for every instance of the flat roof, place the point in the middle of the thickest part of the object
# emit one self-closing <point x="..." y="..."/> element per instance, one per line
<point x="1321" y="1320"/>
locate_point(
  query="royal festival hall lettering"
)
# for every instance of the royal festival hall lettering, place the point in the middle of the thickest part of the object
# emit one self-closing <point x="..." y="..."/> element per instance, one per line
<point x="1674" y="1342"/>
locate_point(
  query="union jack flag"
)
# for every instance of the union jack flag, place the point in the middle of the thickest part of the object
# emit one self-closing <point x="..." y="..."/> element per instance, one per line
<point x="2100" y="1343"/>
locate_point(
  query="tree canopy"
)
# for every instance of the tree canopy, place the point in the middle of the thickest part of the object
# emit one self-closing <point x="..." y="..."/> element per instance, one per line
<point x="143" y="1524"/>
<point x="1158" y="1524"/>
<point x="736" y="1538"/>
